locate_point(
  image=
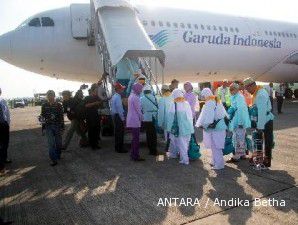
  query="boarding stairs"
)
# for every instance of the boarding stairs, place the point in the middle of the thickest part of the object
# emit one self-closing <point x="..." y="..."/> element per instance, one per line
<point x="119" y="34"/>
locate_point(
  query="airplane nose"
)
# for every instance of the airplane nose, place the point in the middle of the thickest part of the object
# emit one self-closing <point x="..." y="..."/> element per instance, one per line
<point x="5" y="47"/>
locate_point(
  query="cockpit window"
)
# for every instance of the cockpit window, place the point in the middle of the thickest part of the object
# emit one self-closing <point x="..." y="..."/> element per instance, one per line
<point x="34" y="22"/>
<point x="47" y="22"/>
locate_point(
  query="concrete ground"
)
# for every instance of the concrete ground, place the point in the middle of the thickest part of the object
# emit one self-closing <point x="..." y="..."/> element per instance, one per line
<point x="103" y="187"/>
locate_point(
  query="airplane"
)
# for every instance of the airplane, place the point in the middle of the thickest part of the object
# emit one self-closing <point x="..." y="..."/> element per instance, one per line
<point x="199" y="46"/>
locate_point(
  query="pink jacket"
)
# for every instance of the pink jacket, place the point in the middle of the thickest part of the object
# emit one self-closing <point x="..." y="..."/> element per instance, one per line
<point x="134" y="114"/>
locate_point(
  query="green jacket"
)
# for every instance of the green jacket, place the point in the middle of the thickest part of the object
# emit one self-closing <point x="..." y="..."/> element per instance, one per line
<point x="227" y="95"/>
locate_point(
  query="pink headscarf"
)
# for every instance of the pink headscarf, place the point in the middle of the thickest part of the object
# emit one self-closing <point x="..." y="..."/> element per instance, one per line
<point x="188" y="86"/>
<point x="137" y="88"/>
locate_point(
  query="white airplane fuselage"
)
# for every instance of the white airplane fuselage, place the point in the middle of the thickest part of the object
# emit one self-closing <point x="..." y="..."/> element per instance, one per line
<point x="199" y="46"/>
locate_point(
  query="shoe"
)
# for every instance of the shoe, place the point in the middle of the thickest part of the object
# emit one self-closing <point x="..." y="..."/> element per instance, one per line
<point x="184" y="163"/>
<point x="2" y="171"/>
<point x="122" y="151"/>
<point x="232" y="160"/>
<point x="5" y="223"/>
<point x="139" y="160"/>
<point x="267" y="162"/>
<point x="215" y="168"/>
<point x="96" y="147"/>
<point x="156" y="153"/>
<point x="54" y="163"/>
<point x="8" y="161"/>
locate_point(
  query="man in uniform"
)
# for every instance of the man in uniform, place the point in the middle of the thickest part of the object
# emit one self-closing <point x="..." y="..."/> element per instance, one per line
<point x="264" y="118"/>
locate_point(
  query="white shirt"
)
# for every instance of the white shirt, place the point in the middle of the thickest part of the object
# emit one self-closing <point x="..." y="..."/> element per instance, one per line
<point x="5" y="109"/>
<point x="280" y="91"/>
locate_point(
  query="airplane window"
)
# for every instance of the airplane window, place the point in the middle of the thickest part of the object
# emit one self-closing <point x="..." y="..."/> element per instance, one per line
<point x="270" y="33"/>
<point x="34" y="22"/>
<point x="287" y="35"/>
<point x="208" y="27"/>
<point x="266" y="32"/>
<point x="145" y="23"/>
<point x="152" y="23"/>
<point x="47" y="22"/>
<point x="291" y="35"/>
<point x="237" y="30"/>
<point x="275" y="34"/>
<point x="202" y="27"/>
<point x="283" y="34"/>
<point x="168" y="24"/>
<point x="295" y="36"/>
<point x="175" y="25"/>
<point x="220" y="28"/>
<point x="182" y="25"/>
<point x="189" y="25"/>
<point x="214" y="27"/>
<point x="231" y="29"/>
<point x="160" y="24"/>
<point x="279" y="34"/>
<point x="226" y="29"/>
<point x="196" y="26"/>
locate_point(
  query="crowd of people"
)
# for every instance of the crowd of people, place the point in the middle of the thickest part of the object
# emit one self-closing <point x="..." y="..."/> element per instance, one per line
<point x="231" y="112"/>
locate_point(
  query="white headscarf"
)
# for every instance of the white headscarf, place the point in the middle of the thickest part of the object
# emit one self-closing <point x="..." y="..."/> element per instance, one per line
<point x="211" y="111"/>
<point x="206" y="92"/>
<point x="181" y="106"/>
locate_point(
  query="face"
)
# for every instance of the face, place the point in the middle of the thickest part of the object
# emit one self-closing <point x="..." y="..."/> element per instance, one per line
<point x="51" y="98"/>
<point x="142" y="81"/>
<point x="251" y="88"/>
<point x="119" y="90"/>
<point x="65" y="97"/>
<point x="186" y="88"/>
<point x="233" y="91"/>
<point x="94" y="92"/>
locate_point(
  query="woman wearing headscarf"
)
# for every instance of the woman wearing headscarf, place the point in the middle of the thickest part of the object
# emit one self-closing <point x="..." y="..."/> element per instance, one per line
<point x="180" y="126"/>
<point x="239" y="122"/>
<point x="134" y="120"/>
<point x="212" y="121"/>
<point x="190" y="97"/>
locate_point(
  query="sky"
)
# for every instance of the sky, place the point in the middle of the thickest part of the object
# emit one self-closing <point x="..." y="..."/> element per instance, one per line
<point x="16" y="82"/>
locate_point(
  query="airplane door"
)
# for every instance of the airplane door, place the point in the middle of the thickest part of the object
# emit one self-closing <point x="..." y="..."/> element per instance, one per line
<point x="79" y="20"/>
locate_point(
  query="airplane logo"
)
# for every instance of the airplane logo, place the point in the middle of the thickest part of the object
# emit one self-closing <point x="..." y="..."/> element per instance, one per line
<point x="162" y="38"/>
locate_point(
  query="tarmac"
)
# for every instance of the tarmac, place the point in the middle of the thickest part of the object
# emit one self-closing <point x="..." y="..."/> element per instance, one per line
<point x="105" y="187"/>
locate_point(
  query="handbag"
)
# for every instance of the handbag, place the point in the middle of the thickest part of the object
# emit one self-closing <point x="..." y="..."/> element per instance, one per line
<point x="194" y="149"/>
<point x="229" y="147"/>
<point x="175" y="127"/>
<point x="158" y="129"/>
